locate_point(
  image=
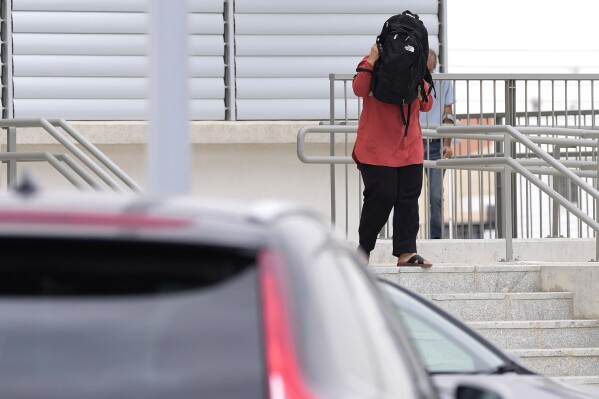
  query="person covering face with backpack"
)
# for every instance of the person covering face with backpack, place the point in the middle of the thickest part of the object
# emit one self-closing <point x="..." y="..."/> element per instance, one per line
<point x="389" y="155"/>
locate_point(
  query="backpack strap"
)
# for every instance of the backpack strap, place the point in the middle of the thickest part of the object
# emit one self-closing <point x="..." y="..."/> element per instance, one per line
<point x="406" y="121"/>
<point x="431" y="85"/>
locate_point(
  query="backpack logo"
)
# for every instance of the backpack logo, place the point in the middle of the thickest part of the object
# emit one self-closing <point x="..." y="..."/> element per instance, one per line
<point x="409" y="48"/>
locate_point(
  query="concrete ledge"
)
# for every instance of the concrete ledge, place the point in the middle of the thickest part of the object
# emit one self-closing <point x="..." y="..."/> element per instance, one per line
<point x="513" y="277"/>
<point x="512" y="306"/>
<point x="501" y="296"/>
<point x="581" y="279"/>
<point x="488" y="251"/>
<point x="201" y="132"/>
<point x="541" y="334"/>
<point x="561" y="362"/>
<point x="461" y="268"/>
<point x="536" y="324"/>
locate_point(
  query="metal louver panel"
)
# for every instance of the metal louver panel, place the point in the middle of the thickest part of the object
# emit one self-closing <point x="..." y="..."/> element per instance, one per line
<point x="73" y="55"/>
<point x="286" y="50"/>
<point x="87" y="60"/>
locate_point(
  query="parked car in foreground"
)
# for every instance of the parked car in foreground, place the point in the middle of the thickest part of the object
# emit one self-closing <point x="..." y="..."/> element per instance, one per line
<point x="106" y="296"/>
<point x="453" y="352"/>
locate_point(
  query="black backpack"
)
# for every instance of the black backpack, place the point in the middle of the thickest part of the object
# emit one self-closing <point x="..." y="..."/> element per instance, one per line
<point x="402" y="63"/>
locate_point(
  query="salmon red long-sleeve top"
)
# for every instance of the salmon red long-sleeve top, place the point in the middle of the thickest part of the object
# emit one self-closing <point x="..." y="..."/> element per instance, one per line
<point x="381" y="140"/>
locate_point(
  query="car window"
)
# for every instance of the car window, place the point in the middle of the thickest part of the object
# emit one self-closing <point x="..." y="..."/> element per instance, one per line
<point x="110" y="319"/>
<point x="443" y="346"/>
<point x="345" y="336"/>
<point x="338" y="343"/>
<point x="396" y="379"/>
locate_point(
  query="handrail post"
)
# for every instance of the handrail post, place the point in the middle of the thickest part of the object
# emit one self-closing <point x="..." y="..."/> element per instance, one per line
<point x="7" y="80"/>
<point x="230" y="106"/>
<point x="507" y="201"/>
<point x="511" y="120"/>
<point x="332" y="145"/>
<point x="597" y="206"/>
<point x="555" y="206"/>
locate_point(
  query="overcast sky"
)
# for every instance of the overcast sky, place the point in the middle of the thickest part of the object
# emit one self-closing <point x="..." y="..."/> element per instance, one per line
<point x="527" y="36"/>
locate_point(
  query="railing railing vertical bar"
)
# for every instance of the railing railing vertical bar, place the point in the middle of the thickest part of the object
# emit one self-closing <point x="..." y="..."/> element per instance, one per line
<point x="567" y="117"/>
<point x="541" y="211"/>
<point x="346" y="152"/>
<point x="539" y="102"/>
<point x="554" y="206"/>
<point x="469" y="176"/>
<point x="507" y="203"/>
<point x="553" y="103"/>
<point x="569" y="197"/>
<point x="527" y="207"/>
<point x="594" y="180"/>
<point x="526" y="123"/>
<point x="230" y="68"/>
<point x="496" y="180"/>
<point x="593" y="104"/>
<point x="332" y="146"/>
<point x="529" y="210"/>
<point x="463" y="229"/>
<point x="453" y="204"/>
<point x="481" y="209"/>
<point x="581" y="197"/>
<point x="580" y="123"/>
<point x="8" y="90"/>
<point x="596" y="202"/>
<point x="579" y="193"/>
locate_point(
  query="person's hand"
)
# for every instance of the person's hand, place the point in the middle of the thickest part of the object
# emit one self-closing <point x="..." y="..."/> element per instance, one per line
<point x="447" y="151"/>
<point x="374" y="54"/>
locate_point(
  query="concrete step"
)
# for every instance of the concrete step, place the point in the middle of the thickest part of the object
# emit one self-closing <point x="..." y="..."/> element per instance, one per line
<point x="561" y="362"/>
<point x="463" y="278"/>
<point x="581" y="380"/>
<point x="508" y="306"/>
<point x="493" y="250"/>
<point x="545" y="334"/>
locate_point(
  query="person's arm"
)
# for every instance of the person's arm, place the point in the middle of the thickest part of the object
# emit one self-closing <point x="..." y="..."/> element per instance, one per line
<point x="448" y="116"/>
<point x="363" y="78"/>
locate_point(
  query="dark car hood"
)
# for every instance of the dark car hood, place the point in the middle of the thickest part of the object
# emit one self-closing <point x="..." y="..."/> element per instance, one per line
<point x="512" y="385"/>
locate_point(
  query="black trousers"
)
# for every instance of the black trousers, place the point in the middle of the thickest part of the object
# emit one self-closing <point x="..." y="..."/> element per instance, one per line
<point x="387" y="188"/>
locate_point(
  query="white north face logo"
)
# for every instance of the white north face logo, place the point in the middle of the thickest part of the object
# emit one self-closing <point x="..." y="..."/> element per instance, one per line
<point x="409" y="48"/>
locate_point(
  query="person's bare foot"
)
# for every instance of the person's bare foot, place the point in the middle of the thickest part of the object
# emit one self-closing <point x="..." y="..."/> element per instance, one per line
<point x="412" y="259"/>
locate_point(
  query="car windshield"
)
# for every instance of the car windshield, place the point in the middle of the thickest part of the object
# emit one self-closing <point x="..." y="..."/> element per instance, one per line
<point x="443" y="346"/>
<point x="111" y="319"/>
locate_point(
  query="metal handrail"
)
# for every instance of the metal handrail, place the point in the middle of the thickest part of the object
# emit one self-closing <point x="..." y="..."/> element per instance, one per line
<point x="530" y="102"/>
<point x="104" y="160"/>
<point x="445" y="131"/>
<point x="474" y="164"/>
<point x="49" y="125"/>
<point x="505" y="165"/>
<point x="53" y="159"/>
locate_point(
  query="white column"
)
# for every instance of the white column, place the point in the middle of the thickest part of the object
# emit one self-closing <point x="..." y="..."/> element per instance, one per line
<point x="169" y="153"/>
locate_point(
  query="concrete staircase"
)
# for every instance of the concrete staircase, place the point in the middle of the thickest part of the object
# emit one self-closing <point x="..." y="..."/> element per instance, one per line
<point x="505" y="302"/>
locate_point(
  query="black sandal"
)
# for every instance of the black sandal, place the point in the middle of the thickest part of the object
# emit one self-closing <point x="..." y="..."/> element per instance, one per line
<point x="416" y="260"/>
